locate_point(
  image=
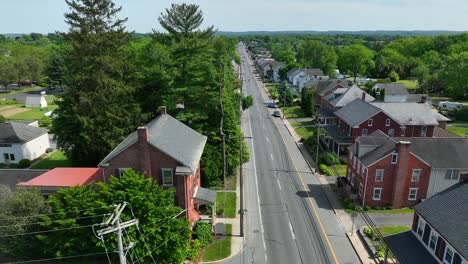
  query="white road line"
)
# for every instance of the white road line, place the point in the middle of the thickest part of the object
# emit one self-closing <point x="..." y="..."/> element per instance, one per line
<point x="292" y="231"/>
<point x="279" y="185"/>
<point x="256" y="189"/>
<point x="267" y="139"/>
<point x="271" y="156"/>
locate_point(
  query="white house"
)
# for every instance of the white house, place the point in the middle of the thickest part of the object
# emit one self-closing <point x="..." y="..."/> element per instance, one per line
<point x="36" y="101"/>
<point x="394" y="92"/>
<point x="20" y="141"/>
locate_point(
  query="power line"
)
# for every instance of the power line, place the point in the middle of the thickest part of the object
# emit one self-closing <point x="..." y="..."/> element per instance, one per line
<point x="36" y="223"/>
<point x="58" y="258"/>
<point x="31" y="216"/>
<point x="46" y="231"/>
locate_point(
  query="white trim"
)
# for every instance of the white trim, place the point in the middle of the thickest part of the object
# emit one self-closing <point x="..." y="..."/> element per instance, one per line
<point x="387" y="122"/>
<point x="419" y="175"/>
<point x="393" y="132"/>
<point x="172" y="176"/>
<point x="381" y="177"/>
<point x="394" y="154"/>
<point x="364" y="134"/>
<point x="415" y="194"/>
<point x="447" y="246"/>
<point x="370" y="122"/>
<point x="380" y="194"/>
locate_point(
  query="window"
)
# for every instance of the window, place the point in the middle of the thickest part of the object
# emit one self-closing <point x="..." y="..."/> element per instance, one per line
<point x="119" y="172"/>
<point x="360" y="189"/>
<point x="5" y="145"/>
<point x="364" y="132"/>
<point x="403" y="131"/>
<point x="168" y="179"/>
<point x="387" y="122"/>
<point x="451" y="174"/>
<point x="370" y="122"/>
<point x="391" y="132"/>
<point x="416" y="174"/>
<point x="420" y="227"/>
<point x="433" y="241"/>
<point x="448" y="258"/>
<point x="379" y="175"/>
<point x="12" y="157"/>
<point x="377" y="194"/>
<point x="423" y="131"/>
<point x="394" y="158"/>
<point x="413" y="193"/>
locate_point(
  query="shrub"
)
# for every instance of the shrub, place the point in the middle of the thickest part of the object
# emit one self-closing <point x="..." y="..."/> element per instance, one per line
<point x="45" y="122"/>
<point x="203" y="233"/>
<point x="49" y="150"/>
<point x="461" y="115"/>
<point x="329" y="159"/>
<point x="247" y="102"/>
<point x="367" y="208"/>
<point x="393" y="76"/>
<point x="370" y="233"/>
<point x="326" y="170"/>
<point x="2" y="119"/>
<point x="24" y="163"/>
<point x="219" y="210"/>
<point x="194" y="248"/>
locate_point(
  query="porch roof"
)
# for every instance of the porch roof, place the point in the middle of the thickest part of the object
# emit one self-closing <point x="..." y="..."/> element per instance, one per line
<point x="408" y="250"/>
<point x="337" y="135"/>
<point x="204" y="196"/>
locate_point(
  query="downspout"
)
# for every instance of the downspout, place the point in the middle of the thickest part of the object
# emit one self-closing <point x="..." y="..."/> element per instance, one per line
<point x="365" y="188"/>
<point x="185" y="197"/>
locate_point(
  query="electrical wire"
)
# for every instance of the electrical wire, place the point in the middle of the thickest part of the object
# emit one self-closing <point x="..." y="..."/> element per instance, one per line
<point x="58" y="258"/>
<point x="31" y="216"/>
<point x="36" y="223"/>
<point x="46" y="231"/>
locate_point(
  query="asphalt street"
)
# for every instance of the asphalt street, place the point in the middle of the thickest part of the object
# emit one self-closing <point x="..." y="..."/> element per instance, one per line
<point x="288" y="218"/>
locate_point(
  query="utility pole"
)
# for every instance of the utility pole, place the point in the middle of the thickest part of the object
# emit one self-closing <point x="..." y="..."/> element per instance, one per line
<point x="318" y="142"/>
<point x="116" y="225"/>
<point x="241" y="190"/>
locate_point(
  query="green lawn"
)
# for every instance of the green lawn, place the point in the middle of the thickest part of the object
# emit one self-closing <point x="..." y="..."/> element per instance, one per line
<point x="293" y="112"/>
<point x="410" y="84"/>
<point x="56" y="159"/>
<point x="405" y="210"/>
<point x="219" y="249"/>
<point x="33" y="114"/>
<point x="27" y="89"/>
<point x="391" y="230"/>
<point x="459" y="130"/>
<point x="304" y="132"/>
<point x="230" y="205"/>
<point x="341" y="169"/>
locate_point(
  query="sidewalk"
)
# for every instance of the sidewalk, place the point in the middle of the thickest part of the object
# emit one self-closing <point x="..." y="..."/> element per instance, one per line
<point x="344" y="218"/>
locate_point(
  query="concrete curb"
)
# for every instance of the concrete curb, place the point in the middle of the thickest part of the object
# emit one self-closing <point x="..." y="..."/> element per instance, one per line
<point x="354" y="248"/>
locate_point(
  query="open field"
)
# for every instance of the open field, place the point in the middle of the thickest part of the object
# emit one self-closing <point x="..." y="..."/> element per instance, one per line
<point x="30" y="113"/>
<point x="410" y="84"/>
<point x="12" y="110"/>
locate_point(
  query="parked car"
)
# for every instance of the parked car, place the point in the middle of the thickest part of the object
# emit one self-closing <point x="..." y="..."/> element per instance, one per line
<point x="277" y="113"/>
<point x="272" y="104"/>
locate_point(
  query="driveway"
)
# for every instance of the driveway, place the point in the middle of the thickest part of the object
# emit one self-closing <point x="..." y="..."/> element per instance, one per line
<point x="392" y="219"/>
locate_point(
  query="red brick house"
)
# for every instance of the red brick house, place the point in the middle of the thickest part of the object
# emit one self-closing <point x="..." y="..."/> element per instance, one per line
<point x="169" y="152"/>
<point x="401" y="171"/>
<point x="439" y="232"/>
<point x="327" y="87"/>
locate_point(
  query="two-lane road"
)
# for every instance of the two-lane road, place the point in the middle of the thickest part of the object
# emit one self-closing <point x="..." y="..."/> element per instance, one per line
<point x="282" y="197"/>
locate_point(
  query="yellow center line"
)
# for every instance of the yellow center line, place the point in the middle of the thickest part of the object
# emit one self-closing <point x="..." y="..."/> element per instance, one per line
<point x="311" y="203"/>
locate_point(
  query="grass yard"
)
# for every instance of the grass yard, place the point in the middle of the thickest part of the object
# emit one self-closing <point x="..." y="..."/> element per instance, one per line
<point x="56" y="159"/>
<point x="221" y="248"/>
<point x="304" y="132"/>
<point x="410" y="84"/>
<point x="293" y="112"/>
<point x="16" y="91"/>
<point x="229" y="207"/>
<point x="350" y="210"/>
<point x="459" y="130"/>
<point x="33" y="114"/>
<point x="391" y="230"/>
<point x="341" y="169"/>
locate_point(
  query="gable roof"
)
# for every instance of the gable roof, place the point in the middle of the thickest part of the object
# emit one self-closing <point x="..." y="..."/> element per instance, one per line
<point x="324" y="86"/>
<point x="14" y="132"/>
<point x="276" y="65"/>
<point x="65" y="177"/>
<point x="447" y="213"/>
<point x="291" y="71"/>
<point x="357" y="112"/>
<point x="377" y="145"/>
<point x="172" y="137"/>
<point x="314" y="72"/>
<point x="392" y="88"/>
<point x="409" y="113"/>
<point x="349" y="95"/>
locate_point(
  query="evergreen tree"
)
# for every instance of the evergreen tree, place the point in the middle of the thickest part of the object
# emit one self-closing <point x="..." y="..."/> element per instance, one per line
<point x="97" y="110"/>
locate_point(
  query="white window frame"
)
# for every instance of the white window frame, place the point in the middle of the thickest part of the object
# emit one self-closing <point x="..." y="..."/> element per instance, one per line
<point x="396" y="158"/>
<point x="392" y="134"/>
<point x="364" y="134"/>
<point x="447" y="248"/>
<point x="387" y="122"/>
<point x="423" y="131"/>
<point x="410" y="198"/>
<point x="163" y="176"/>
<point x="451" y="178"/>
<point x="416" y="172"/>
<point x="421" y="225"/>
<point x="403" y="131"/>
<point x="380" y="194"/>
<point x="370" y="122"/>
<point x="433" y="234"/>
<point x="377" y="174"/>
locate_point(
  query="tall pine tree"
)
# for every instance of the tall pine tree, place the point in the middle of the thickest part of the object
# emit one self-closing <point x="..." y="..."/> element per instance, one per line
<point x="97" y="110"/>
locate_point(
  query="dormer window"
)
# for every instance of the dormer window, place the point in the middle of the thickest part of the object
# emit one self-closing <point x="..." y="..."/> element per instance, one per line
<point x="370" y="122"/>
<point x="387" y="122"/>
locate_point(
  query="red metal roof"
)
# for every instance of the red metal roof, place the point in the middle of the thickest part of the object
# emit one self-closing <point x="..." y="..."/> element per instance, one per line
<point x="65" y="177"/>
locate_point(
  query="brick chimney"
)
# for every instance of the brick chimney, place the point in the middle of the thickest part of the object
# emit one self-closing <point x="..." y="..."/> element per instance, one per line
<point x="401" y="170"/>
<point x="144" y="151"/>
<point x="363" y="96"/>
<point x="162" y="110"/>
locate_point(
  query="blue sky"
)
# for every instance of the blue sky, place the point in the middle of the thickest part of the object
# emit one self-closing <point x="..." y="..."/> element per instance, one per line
<point x="43" y="16"/>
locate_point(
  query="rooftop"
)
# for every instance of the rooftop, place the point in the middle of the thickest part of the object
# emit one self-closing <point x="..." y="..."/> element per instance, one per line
<point x="349" y="95"/>
<point x="15" y="132"/>
<point x="409" y="113"/>
<point x="356" y="112"/>
<point x="64" y="177"/>
<point x="408" y="250"/>
<point x="392" y="88"/>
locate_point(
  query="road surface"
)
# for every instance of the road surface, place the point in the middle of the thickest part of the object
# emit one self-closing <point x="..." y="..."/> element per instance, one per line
<point x="288" y="218"/>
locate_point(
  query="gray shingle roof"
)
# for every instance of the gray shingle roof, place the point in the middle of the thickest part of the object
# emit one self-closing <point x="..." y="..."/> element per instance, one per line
<point x="447" y="212"/>
<point x="14" y="132"/>
<point x="357" y="112"/>
<point x="337" y="134"/>
<point x="350" y="95"/>
<point x="408" y="250"/>
<point x="276" y="65"/>
<point x="373" y="147"/>
<point x="205" y="196"/>
<point x="293" y="70"/>
<point x="392" y="88"/>
<point x="325" y="86"/>
<point x="409" y="113"/>
<point x="314" y="72"/>
<point x="171" y="137"/>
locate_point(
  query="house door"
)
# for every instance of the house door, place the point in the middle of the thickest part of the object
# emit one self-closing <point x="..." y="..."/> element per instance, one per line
<point x="6" y="158"/>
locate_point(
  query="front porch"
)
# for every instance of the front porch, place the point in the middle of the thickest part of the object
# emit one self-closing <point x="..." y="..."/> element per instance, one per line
<point x="202" y="199"/>
<point x="336" y="140"/>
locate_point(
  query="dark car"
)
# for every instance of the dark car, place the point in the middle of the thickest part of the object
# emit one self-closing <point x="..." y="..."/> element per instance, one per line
<point x="277" y="113"/>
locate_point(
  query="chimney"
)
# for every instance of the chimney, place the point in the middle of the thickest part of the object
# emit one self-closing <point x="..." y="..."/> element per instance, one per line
<point x="144" y="151"/>
<point x="162" y="110"/>
<point x="363" y="97"/>
<point x="401" y="171"/>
